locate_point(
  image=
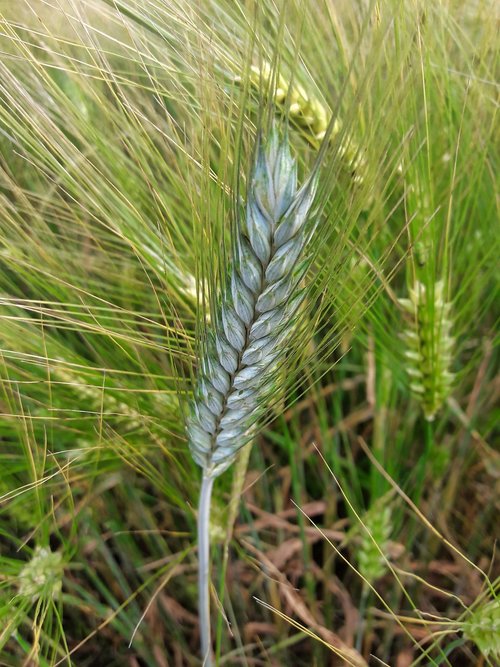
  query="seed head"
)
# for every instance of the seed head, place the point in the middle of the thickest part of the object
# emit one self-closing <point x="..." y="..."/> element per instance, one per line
<point x="372" y="565"/>
<point x="309" y="115"/>
<point x="483" y="628"/>
<point x="42" y="575"/>
<point x="429" y="346"/>
<point x="248" y="339"/>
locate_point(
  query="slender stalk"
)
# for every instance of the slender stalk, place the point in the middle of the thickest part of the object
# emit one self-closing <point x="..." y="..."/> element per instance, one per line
<point x="204" y="569"/>
<point x="362" y="625"/>
<point x="422" y="466"/>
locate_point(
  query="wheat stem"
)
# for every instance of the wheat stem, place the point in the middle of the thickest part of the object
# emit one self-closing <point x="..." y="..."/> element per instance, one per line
<point x="204" y="568"/>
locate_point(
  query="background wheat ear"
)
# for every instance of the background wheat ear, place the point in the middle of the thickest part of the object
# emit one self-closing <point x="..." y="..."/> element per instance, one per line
<point x="429" y="346"/>
<point x="246" y="343"/>
<point x="483" y="628"/>
<point x="309" y="115"/>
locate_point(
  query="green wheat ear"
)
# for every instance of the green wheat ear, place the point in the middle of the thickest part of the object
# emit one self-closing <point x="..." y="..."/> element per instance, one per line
<point x="305" y="111"/>
<point x="42" y="575"/>
<point x="309" y="115"/>
<point x="483" y="628"/>
<point x="248" y="339"/>
<point x="101" y="401"/>
<point x="374" y="543"/>
<point x="429" y="346"/>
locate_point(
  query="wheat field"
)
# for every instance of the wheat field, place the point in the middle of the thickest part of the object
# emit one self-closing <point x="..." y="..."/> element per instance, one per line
<point x="249" y="300"/>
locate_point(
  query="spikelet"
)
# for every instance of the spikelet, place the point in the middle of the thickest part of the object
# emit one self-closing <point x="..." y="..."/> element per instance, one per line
<point x="248" y="339"/>
<point x="310" y="115"/>
<point x="371" y="563"/>
<point x="42" y="575"/>
<point x="429" y="346"/>
<point x="483" y="628"/>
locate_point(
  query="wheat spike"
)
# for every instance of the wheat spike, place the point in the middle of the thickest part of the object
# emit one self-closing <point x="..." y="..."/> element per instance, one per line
<point x="96" y="398"/>
<point x="429" y="346"/>
<point x="247" y="341"/>
<point x="305" y="111"/>
<point x="483" y="628"/>
<point x="309" y="115"/>
<point x="374" y="543"/>
<point x="42" y="575"/>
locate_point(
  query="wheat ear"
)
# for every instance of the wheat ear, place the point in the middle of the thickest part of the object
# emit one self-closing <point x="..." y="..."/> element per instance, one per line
<point x="483" y="628"/>
<point x="429" y="346"/>
<point x="247" y="339"/>
<point x="309" y="115"/>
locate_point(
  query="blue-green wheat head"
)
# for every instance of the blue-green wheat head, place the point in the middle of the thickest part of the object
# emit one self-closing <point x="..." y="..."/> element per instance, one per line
<point x="249" y="338"/>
